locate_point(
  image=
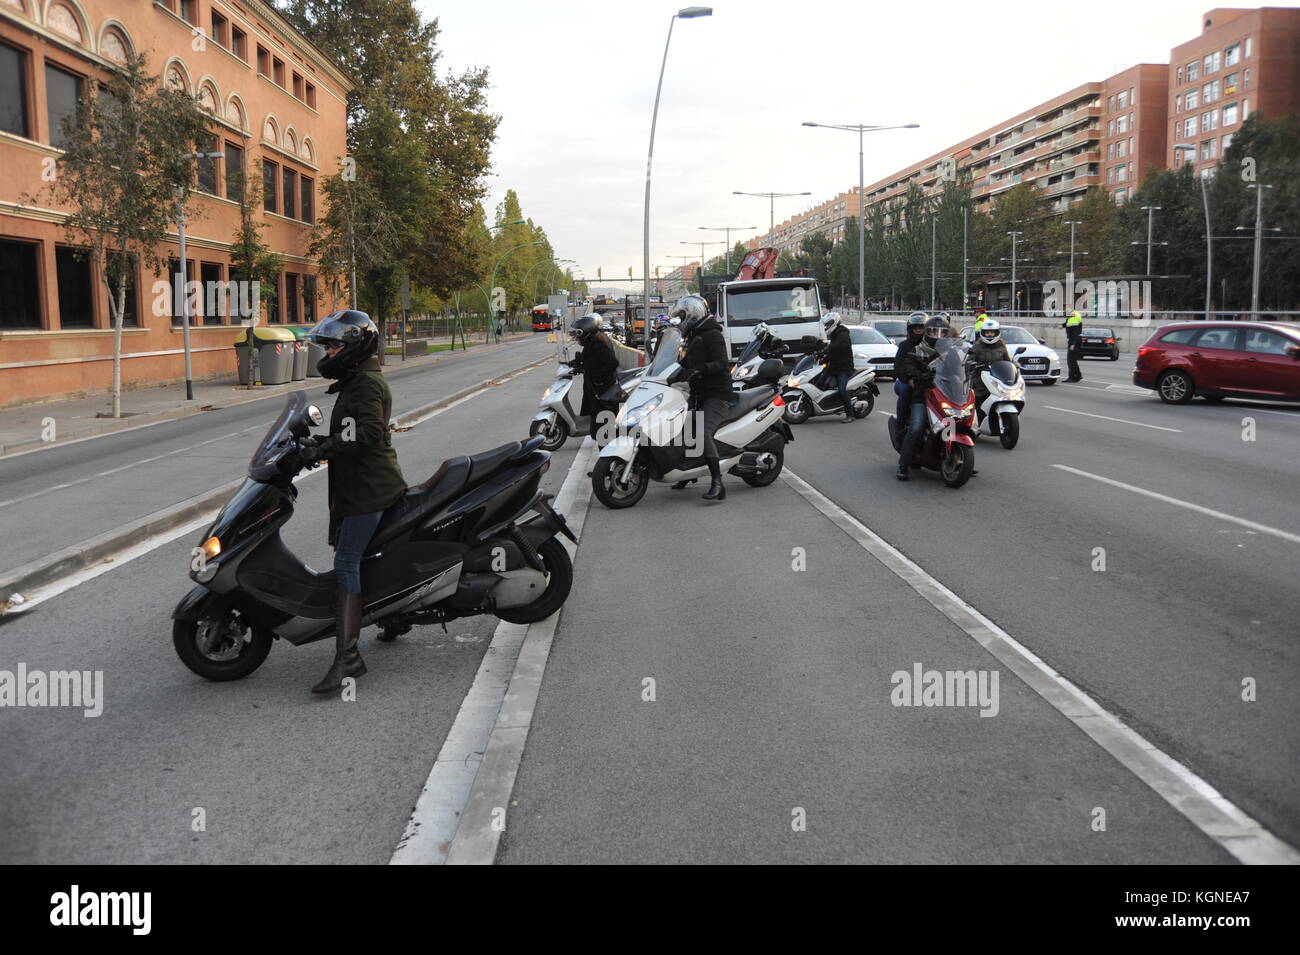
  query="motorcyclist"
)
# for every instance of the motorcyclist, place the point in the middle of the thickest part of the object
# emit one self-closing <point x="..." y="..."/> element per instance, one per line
<point x="917" y="370"/>
<point x="839" y="358"/>
<point x="902" y="388"/>
<point x="705" y="366"/>
<point x="598" y="365"/>
<point x="364" y="478"/>
<point x="988" y="348"/>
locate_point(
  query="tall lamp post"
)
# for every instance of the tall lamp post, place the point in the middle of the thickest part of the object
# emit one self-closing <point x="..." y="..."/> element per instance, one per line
<point x="181" y="193"/>
<point x="702" y="260"/>
<point x="456" y="300"/>
<point x="1209" y="243"/>
<point x="1259" y="188"/>
<point x="1015" y="238"/>
<point x="686" y="13"/>
<point x="1151" y="219"/>
<point x="728" y="229"/>
<point x="771" y="198"/>
<point x="860" y="129"/>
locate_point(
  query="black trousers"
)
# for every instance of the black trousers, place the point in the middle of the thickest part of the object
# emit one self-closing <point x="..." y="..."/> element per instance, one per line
<point x="713" y="409"/>
<point x="1072" y="359"/>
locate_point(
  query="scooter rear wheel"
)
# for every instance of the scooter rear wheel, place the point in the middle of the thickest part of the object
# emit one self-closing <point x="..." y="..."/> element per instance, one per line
<point x="554" y="437"/>
<point x="863" y="403"/>
<point x="607" y="489"/>
<point x="765" y="478"/>
<point x="559" y="570"/>
<point x="220" y="650"/>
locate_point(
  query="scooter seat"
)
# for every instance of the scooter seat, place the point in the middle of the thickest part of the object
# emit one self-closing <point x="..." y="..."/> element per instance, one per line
<point x="746" y="401"/>
<point x="482" y="465"/>
<point x="422" y="499"/>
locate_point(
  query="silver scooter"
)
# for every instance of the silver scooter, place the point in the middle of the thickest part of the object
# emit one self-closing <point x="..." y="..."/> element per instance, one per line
<point x="557" y="417"/>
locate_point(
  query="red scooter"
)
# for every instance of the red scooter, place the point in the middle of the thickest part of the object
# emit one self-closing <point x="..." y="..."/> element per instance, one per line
<point x="948" y="443"/>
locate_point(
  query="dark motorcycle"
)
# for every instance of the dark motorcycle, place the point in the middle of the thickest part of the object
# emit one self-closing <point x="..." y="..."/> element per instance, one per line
<point x="455" y="546"/>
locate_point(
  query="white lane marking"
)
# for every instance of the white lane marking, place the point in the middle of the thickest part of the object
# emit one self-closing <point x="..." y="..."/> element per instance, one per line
<point x="1241" y="521"/>
<point x="132" y="551"/>
<point x="124" y="467"/>
<point x="476" y="767"/>
<point x="1187" y="792"/>
<point x="1153" y="427"/>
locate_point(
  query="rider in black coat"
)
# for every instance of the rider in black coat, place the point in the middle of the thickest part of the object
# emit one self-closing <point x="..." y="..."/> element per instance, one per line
<point x="705" y="366"/>
<point x="839" y="358"/>
<point x="598" y="365"/>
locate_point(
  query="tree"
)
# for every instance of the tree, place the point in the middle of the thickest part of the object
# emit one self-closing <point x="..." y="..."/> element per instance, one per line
<point x="251" y="259"/>
<point x="119" y="173"/>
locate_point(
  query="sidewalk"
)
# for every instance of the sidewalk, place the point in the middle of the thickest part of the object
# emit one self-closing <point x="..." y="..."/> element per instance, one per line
<point x="27" y="426"/>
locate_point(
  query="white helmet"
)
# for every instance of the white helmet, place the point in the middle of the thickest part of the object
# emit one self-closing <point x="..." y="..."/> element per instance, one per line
<point x="830" y="322"/>
<point x="990" y="331"/>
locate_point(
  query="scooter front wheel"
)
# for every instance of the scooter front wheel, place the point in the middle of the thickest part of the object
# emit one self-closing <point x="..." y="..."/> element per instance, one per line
<point x="797" y="410"/>
<point x="1009" y="433"/>
<point x="223" y="649"/>
<point x="604" y="482"/>
<point x="553" y="438"/>
<point x="957" y="465"/>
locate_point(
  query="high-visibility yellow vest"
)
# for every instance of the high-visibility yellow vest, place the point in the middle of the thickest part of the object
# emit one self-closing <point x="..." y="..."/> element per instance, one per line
<point x="1074" y="319"/>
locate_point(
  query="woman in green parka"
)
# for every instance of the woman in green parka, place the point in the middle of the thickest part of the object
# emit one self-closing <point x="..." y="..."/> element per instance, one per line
<point x="364" y="479"/>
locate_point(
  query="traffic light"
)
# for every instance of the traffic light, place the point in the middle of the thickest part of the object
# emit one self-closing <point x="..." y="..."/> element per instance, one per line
<point x="597" y="273"/>
<point x="629" y="271"/>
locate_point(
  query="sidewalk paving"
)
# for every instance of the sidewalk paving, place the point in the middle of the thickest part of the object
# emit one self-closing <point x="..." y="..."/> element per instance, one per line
<point x="24" y="427"/>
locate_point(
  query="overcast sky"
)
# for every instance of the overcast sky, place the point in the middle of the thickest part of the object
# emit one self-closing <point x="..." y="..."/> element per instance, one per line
<point x="574" y="83"/>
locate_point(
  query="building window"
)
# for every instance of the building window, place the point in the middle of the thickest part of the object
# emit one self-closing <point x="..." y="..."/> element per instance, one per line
<point x="307" y="211"/>
<point x="212" y="304"/>
<point x="208" y="168"/>
<point x="1110" y="127"/>
<point x="309" y="299"/>
<point x="1121" y="101"/>
<point x="1232" y="54"/>
<point x="1193" y="71"/>
<point x="1179" y="80"/>
<point x="1178" y="103"/>
<point x="1122" y="149"/>
<point x="1245" y="79"/>
<point x="291" y="297"/>
<point x="1214" y="92"/>
<point x="1110" y="175"/>
<point x="277" y="71"/>
<point x="1248" y="47"/>
<point x="1245" y="110"/>
<point x="130" y="313"/>
<point x="1227" y="141"/>
<point x="287" y="194"/>
<point x="270" y="178"/>
<point x="1209" y="120"/>
<point x="220" y="31"/>
<point x="1110" y="151"/>
<point x="1211" y="62"/>
<point x="311" y="95"/>
<point x="1230" y="84"/>
<point x="62" y="94"/>
<point x="1209" y="149"/>
<point x="13" y="90"/>
<point x="1193" y="99"/>
<point x="263" y="61"/>
<point x="76" y="309"/>
<point x="297" y="86"/>
<point x="234" y="171"/>
<point x="190" y="11"/>
<point x="1121" y="125"/>
<point x="1229" y="114"/>
<point x="179" y="291"/>
<point x="238" y="43"/>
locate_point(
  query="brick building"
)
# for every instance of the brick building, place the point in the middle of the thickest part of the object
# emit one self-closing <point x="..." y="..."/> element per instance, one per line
<point x="278" y="109"/>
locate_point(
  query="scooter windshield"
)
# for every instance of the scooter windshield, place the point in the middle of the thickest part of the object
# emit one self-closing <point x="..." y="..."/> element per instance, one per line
<point x="950" y="374"/>
<point x="1005" y="372"/>
<point x="804" y="364"/>
<point x="665" y="353"/>
<point x="264" y="465"/>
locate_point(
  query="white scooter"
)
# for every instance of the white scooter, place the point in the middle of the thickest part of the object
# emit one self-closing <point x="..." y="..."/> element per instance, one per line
<point x="804" y="399"/>
<point x="557" y="417"/>
<point x="659" y="439"/>
<point x="999" y="413"/>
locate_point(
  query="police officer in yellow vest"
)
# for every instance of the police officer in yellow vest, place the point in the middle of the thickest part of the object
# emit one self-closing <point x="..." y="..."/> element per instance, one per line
<point x="979" y="321"/>
<point x="1073" y="331"/>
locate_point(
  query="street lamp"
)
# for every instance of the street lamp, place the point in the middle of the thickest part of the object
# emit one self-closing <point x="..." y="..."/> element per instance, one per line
<point x="771" y="198"/>
<point x="1015" y="238"/>
<point x="181" y="192"/>
<point x="685" y="259"/>
<point x="1150" y="211"/>
<point x="1209" y="246"/>
<point x="686" y="13"/>
<point x="1259" y="188"/>
<point x="728" y="229"/>
<point x="702" y="245"/>
<point x="1072" y="223"/>
<point x="862" y="198"/>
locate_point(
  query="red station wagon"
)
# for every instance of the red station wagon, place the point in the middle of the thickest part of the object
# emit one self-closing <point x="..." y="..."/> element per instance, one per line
<point x="1218" y="360"/>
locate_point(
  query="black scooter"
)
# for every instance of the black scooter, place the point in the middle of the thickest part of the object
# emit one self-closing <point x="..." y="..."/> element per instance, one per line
<point x="454" y="546"/>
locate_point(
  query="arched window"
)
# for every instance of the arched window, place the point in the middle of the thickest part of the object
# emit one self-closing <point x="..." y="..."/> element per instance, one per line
<point x="235" y="112"/>
<point x="60" y="18"/>
<point x="113" y="45"/>
<point x="19" y="5"/>
<point x="307" y="151"/>
<point x="176" y="76"/>
<point x="270" y="131"/>
<point x="208" y="98"/>
<point x="290" y="141"/>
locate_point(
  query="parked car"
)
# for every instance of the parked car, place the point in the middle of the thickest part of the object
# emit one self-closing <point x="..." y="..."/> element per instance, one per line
<point x="872" y="349"/>
<point x="1102" y="342"/>
<point x="893" y="329"/>
<point x="1218" y="360"/>
<point x="1037" y="362"/>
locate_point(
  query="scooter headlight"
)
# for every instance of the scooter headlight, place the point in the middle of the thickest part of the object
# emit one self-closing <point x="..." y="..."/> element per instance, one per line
<point x="792" y="381"/>
<point x="634" y="416"/>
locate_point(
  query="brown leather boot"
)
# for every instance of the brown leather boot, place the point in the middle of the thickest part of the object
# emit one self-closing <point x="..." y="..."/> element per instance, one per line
<point x="347" y="631"/>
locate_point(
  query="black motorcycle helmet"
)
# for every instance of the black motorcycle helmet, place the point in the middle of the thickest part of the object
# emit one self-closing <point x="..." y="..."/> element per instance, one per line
<point x="584" y="328"/>
<point x="351" y="329"/>
<point x="936" y="327"/>
<point x="916" y="323"/>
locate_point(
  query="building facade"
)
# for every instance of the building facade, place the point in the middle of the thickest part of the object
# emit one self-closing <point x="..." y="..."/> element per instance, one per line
<point x="278" y="109"/>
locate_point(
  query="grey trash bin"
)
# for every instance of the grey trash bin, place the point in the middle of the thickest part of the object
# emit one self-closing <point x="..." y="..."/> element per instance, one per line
<point x="299" y="372"/>
<point x="275" y="353"/>
<point x="314" y="354"/>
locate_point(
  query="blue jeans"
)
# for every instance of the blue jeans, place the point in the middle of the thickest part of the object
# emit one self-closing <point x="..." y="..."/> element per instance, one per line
<point x="842" y="385"/>
<point x="914" y="426"/>
<point x="354" y="534"/>
<point x="904" y="392"/>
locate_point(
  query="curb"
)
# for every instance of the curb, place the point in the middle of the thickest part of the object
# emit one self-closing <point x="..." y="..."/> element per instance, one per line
<point x="142" y="420"/>
<point x="87" y="553"/>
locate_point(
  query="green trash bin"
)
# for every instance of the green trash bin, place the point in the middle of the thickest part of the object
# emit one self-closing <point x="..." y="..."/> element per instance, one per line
<point x="275" y="352"/>
<point x="299" y="372"/>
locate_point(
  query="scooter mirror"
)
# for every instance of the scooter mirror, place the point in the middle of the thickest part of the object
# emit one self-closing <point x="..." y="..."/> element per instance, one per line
<point x="315" y="416"/>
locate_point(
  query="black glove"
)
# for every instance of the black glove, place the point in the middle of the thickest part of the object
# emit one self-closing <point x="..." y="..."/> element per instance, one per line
<point x="687" y="374"/>
<point x="311" y="451"/>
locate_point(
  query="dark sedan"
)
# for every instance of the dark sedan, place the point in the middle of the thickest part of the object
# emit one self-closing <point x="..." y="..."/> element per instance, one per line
<point x="1099" y="342"/>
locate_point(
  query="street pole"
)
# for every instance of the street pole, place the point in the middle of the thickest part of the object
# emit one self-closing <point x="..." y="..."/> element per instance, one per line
<point x="1072" y="223"/>
<point x="862" y="129"/>
<point x="934" y="247"/>
<point x="701" y="245"/>
<point x="728" y="229"/>
<point x="1259" y="188"/>
<point x="1209" y="242"/>
<point x="1015" y="236"/>
<point x="1151" y="219"/>
<point x="771" y="198"/>
<point x="965" y="260"/>
<point x="185" y="297"/>
<point x="685" y="13"/>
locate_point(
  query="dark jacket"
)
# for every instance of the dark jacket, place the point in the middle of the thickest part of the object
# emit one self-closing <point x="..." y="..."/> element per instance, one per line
<point x="599" y="366"/>
<point x="986" y="354"/>
<point x="706" y="351"/>
<point x="901" y="368"/>
<point x="839" y="353"/>
<point x="363" y="472"/>
<point x="913" y="367"/>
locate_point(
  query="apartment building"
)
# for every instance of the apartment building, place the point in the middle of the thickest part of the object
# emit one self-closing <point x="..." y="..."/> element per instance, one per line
<point x="1134" y="140"/>
<point x="278" y="109"/>
<point x="830" y="218"/>
<point x="1243" y="61"/>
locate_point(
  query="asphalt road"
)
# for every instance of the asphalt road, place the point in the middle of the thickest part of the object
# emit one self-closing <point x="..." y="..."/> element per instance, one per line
<point x="772" y="686"/>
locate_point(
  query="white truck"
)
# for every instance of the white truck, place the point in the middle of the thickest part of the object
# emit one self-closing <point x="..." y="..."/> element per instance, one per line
<point x="790" y="307"/>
